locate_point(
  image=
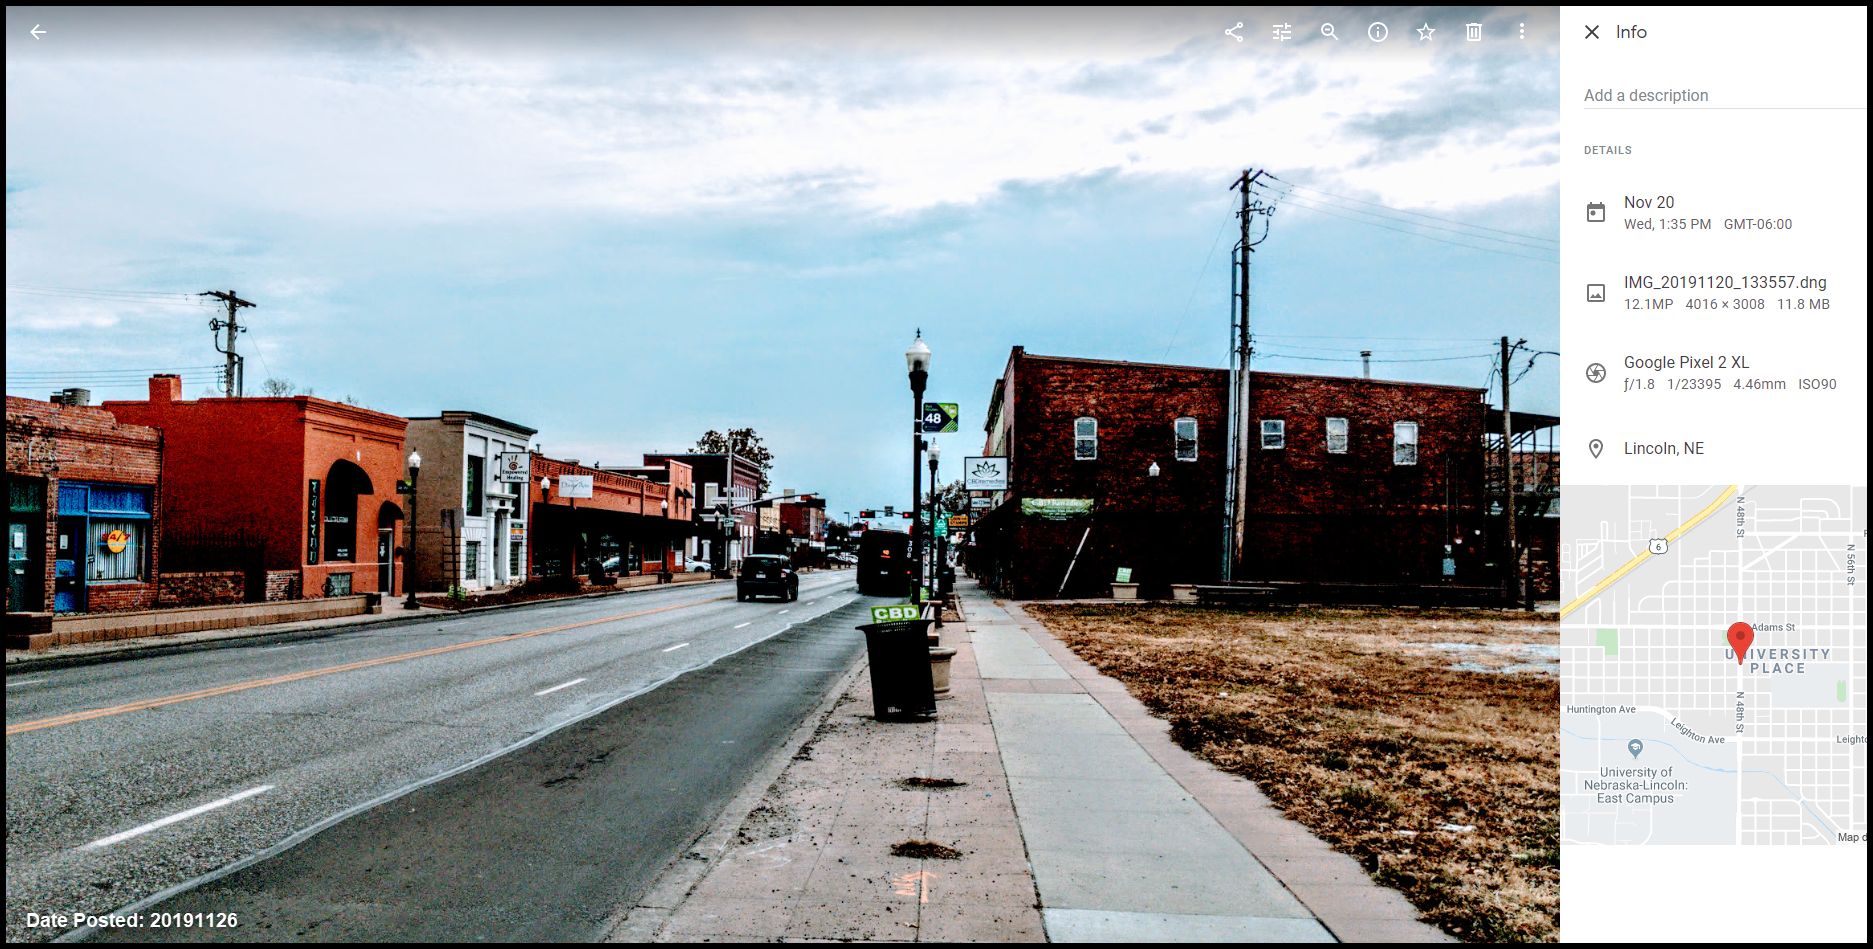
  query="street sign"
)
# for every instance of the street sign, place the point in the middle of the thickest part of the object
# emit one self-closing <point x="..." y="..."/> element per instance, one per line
<point x="942" y="528"/>
<point x="939" y="417"/>
<point x="513" y="467"/>
<point x="575" y="486"/>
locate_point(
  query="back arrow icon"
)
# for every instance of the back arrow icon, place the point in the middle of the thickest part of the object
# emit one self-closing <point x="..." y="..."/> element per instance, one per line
<point x="35" y="31"/>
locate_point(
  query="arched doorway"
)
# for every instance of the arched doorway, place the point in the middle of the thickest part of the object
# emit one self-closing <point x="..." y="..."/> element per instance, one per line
<point x="343" y="484"/>
<point x="388" y="514"/>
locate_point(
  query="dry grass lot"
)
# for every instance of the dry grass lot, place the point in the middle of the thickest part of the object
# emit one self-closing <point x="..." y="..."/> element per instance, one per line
<point x="1442" y="780"/>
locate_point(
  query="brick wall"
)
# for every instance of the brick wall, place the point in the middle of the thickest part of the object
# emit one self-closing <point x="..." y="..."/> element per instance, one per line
<point x="83" y="443"/>
<point x="201" y="589"/>
<point x="1315" y="514"/>
<point x="283" y="585"/>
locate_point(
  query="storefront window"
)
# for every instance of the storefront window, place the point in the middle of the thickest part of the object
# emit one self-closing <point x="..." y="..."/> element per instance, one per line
<point x="476" y="488"/>
<point x="117" y="548"/>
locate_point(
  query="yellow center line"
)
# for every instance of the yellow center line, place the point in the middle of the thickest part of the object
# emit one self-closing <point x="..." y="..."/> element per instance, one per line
<point x="213" y="691"/>
<point x="1643" y="556"/>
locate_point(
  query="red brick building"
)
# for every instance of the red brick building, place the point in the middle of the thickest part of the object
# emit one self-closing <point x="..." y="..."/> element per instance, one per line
<point x="1355" y="480"/>
<point x="723" y="481"/>
<point x="308" y="483"/>
<point x="84" y="516"/>
<point x="630" y="526"/>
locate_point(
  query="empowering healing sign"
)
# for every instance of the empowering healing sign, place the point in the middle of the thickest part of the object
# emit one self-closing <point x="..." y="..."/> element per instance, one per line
<point x="893" y="614"/>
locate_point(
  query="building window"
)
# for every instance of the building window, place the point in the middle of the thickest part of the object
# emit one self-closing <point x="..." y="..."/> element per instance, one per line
<point x="117" y="548"/>
<point x="1404" y="443"/>
<point x="1085" y="439"/>
<point x="1336" y="436"/>
<point x="1184" y="439"/>
<point x="1274" y="433"/>
<point x="477" y="485"/>
<point x="471" y="561"/>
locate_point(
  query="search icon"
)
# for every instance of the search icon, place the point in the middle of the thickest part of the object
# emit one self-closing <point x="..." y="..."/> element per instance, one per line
<point x="1326" y="30"/>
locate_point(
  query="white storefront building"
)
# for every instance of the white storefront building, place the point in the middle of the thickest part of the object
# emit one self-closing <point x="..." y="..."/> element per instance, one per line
<point x="471" y="527"/>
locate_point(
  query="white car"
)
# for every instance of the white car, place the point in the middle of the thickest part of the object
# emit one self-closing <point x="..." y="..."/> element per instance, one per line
<point x="692" y="565"/>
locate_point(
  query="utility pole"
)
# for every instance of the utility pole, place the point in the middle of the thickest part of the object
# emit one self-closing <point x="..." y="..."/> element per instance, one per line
<point x="1241" y="414"/>
<point x="232" y="380"/>
<point x="1508" y="477"/>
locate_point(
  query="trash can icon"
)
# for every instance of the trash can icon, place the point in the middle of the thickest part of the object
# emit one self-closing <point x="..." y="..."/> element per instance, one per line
<point x="1596" y="212"/>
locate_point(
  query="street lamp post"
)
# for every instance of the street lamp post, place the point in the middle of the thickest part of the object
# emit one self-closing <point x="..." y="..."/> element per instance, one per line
<point x="937" y="541"/>
<point x="409" y="554"/>
<point x="917" y="358"/>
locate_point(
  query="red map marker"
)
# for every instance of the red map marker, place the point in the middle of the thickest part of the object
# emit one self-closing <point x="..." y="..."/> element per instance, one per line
<point x="1740" y="636"/>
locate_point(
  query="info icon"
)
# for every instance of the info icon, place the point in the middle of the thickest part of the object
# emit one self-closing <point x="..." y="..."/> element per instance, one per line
<point x="1596" y="212"/>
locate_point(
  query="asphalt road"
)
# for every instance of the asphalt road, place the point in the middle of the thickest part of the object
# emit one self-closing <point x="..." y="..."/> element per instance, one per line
<point x="542" y="841"/>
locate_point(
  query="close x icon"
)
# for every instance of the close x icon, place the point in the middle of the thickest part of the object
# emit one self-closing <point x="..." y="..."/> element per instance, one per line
<point x="1593" y="33"/>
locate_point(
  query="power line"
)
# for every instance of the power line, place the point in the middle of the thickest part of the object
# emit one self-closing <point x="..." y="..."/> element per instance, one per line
<point x="1204" y="270"/>
<point x="104" y="373"/>
<point x="1270" y="355"/>
<point x="1433" y="217"/>
<point x="1487" y="250"/>
<point x="1480" y="237"/>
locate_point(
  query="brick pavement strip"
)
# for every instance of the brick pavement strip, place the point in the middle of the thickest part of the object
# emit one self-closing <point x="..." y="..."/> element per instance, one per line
<point x="812" y="858"/>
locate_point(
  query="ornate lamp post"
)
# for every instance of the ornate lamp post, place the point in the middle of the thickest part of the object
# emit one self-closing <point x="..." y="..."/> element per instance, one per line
<point x="917" y="358"/>
<point x="409" y="554"/>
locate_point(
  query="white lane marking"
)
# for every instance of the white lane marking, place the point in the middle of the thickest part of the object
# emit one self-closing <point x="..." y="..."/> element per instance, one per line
<point x="676" y="647"/>
<point x="26" y="682"/>
<point x="173" y="818"/>
<point x="317" y="827"/>
<point x="563" y="685"/>
<point x="749" y="623"/>
<point x="782" y="611"/>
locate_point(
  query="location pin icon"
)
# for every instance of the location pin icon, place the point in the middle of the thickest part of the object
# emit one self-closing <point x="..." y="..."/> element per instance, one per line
<point x="1595" y="446"/>
<point x="1635" y="746"/>
<point x="1740" y="636"/>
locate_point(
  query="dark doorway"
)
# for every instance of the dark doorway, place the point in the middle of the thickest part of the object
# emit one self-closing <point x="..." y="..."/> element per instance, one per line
<point x="342" y="486"/>
<point x="68" y="585"/>
<point x="383" y="561"/>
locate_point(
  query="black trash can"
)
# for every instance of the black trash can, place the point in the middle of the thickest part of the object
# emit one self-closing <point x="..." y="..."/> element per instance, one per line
<point x="899" y="655"/>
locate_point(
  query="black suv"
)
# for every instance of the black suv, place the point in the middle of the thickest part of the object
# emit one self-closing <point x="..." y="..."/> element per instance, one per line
<point x="767" y="574"/>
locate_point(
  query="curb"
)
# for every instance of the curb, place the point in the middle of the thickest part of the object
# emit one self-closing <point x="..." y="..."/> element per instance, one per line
<point x="300" y="632"/>
<point x="642" y="921"/>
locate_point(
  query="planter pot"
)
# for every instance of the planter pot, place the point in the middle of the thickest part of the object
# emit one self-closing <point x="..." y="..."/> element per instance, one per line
<point x="940" y="670"/>
<point x="1184" y="592"/>
<point x="1125" y="591"/>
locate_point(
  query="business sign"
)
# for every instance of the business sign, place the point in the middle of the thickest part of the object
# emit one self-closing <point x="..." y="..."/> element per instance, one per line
<point x="985" y="474"/>
<point x="939" y="417"/>
<point x="513" y="467"/>
<point x="959" y="522"/>
<point x="895" y="614"/>
<point x="116" y="541"/>
<point x="981" y="504"/>
<point x="1057" y="509"/>
<point x="575" y="486"/>
<point x="312" y="520"/>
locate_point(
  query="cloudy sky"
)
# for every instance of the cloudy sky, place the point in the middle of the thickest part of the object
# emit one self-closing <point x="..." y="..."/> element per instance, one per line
<point x="626" y="228"/>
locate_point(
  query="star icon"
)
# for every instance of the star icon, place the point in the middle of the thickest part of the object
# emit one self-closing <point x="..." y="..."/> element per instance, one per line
<point x="1425" y="31"/>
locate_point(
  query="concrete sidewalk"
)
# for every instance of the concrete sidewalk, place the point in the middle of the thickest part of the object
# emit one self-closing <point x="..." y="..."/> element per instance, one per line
<point x="1079" y="821"/>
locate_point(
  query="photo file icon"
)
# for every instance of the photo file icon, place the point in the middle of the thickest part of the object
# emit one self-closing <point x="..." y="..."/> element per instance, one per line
<point x="1596" y="293"/>
<point x="1596" y="212"/>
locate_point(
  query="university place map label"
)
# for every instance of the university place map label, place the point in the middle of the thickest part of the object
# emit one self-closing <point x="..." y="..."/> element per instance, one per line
<point x="1708" y="692"/>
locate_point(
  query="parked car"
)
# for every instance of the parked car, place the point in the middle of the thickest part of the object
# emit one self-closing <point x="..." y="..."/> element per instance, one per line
<point x="767" y="575"/>
<point x="692" y="565"/>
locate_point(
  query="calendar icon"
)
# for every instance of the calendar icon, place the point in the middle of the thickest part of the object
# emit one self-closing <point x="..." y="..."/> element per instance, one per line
<point x="1596" y="212"/>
